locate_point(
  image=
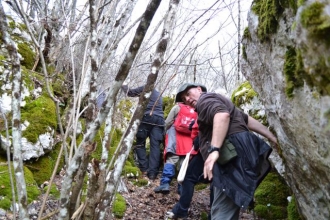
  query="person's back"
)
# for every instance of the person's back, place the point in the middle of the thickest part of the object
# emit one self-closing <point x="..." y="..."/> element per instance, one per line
<point x="152" y="126"/>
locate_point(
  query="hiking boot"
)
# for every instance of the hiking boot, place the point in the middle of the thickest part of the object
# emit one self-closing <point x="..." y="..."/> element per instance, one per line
<point x="171" y="215"/>
<point x="136" y="158"/>
<point x="152" y="176"/>
<point x="163" y="188"/>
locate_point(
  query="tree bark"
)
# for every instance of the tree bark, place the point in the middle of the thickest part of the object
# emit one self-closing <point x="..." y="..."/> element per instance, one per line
<point x="16" y="120"/>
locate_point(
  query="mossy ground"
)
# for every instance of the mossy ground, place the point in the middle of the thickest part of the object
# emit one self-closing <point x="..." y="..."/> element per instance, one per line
<point x="6" y="191"/>
<point x="53" y="192"/>
<point x="42" y="168"/>
<point x="119" y="206"/>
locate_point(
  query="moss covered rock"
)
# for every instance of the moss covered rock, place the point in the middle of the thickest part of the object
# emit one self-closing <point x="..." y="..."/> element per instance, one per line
<point x="42" y="168"/>
<point x="245" y="98"/>
<point x="293" y="213"/>
<point x="293" y="70"/>
<point x="40" y="115"/>
<point x="314" y="21"/>
<point x="271" y="197"/>
<point x="268" y="12"/>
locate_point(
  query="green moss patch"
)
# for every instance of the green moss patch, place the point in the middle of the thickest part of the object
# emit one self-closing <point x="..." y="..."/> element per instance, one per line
<point x="270" y="212"/>
<point x="42" y="168"/>
<point x="27" y="54"/>
<point x="41" y="115"/>
<point x="269" y="12"/>
<point x="295" y="73"/>
<point x="271" y="197"/>
<point x="245" y="94"/>
<point x="125" y="107"/>
<point x="292" y="71"/>
<point x="201" y="186"/>
<point x="316" y="22"/>
<point x="244" y="54"/>
<point x="119" y="206"/>
<point x="130" y="171"/>
<point x="140" y="182"/>
<point x="204" y="216"/>
<point x="53" y="192"/>
<point x="247" y="34"/>
<point x="6" y="192"/>
<point x="293" y="213"/>
<point x="300" y="2"/>
<point x="168" y="103"/>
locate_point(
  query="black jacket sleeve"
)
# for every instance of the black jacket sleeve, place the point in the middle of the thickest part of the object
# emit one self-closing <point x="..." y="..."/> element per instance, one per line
<point x="132" y="92"/>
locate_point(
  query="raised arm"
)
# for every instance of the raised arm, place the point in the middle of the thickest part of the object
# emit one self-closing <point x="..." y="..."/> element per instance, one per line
<point x="132" y="92"/>
<point x="256" y="126"/>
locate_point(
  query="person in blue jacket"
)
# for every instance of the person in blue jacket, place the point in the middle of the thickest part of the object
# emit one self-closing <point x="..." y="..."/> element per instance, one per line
<point x="152" y="127"/>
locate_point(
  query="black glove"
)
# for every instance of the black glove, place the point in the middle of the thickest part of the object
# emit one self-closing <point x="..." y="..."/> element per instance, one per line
<point x="124" y="88"/>
<point x="196" y="143"/>
<point x="191" y="125"/>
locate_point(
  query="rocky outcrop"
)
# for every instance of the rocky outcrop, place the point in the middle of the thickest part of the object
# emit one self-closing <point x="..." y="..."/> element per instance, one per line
<point x="288" y="65"/>
<point x="38" y="115"/>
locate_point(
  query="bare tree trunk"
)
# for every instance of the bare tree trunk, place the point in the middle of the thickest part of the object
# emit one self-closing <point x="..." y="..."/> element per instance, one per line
<point x="12" y="184"/>
<point x="79" y="180"/>
<point x="122" y="74"/>
<point x="113" y="179"/>
<point x="16" y="120"/>
<point x="239" y="41"/>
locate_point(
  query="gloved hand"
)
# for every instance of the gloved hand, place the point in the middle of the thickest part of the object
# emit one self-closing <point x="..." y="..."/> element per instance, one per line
<point x="191" y="125"/>
<point x="196" y="143"/>
<point x="124" y="87"/>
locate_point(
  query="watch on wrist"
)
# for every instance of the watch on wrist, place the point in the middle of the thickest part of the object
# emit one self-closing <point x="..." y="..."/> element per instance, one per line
<point x="212" y="148"/>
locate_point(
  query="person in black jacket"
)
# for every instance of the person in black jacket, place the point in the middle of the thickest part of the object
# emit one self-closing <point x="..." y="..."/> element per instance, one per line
<point x="152" y="126"/>
<point x="233" y="183"/>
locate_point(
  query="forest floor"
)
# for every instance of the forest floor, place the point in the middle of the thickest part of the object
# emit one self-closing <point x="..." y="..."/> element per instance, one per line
<point x="142" y="203"/>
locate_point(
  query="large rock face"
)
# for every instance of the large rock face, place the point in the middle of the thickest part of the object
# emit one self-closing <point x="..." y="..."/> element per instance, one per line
<point x="298" y="114"/>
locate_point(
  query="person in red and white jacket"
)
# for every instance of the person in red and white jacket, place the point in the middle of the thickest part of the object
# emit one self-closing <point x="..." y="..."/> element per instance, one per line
<point x="178" y="142"/>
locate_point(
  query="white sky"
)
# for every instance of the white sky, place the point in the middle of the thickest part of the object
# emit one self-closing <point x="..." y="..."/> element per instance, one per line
<point x="224" y="15"/>
<point x="195" y="8"/>
<point x="189" y="11"/>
